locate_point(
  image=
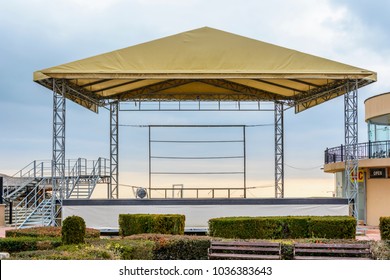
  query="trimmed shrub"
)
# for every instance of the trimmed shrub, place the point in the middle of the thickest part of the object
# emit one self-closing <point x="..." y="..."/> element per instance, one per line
<point x="259" y="227"/>
<point x="384" y="227"/>
<point x="47" y="232"/>
<point x="67" y="252"/>
<point x="290" y="227"/>
<point x="18" y="244"/>
<point x="183" y="248"/>
<point x="73" y="230"/>
<point x="133" y="249"/>
<point x="34" y="232"/>
<point x="176" y="247"/>
<point x="287" y="250"/>
<point x="332" y="227"/>
<point x="130" y="224"/>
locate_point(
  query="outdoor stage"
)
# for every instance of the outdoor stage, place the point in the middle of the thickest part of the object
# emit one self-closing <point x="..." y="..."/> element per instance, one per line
<point x="103" y="214"/>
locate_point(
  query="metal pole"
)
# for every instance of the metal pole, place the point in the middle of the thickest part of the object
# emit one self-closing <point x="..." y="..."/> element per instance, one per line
<point x="244" y="138"/>
<point x="10" y="212"/>
<point x="1" y="190"/>
<point x="351" y="141"/>
<point x="279" y="150"/>
<point x="114" y="155"/>
<point x="150" y="165"/>
<point x="58" y="152"/>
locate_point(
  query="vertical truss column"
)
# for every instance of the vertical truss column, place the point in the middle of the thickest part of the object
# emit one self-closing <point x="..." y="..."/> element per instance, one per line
<point x="279" y="150"/>
<point x="114" y="163"/>
<point x="351" y="141"/>
<point x="58" y="153"/>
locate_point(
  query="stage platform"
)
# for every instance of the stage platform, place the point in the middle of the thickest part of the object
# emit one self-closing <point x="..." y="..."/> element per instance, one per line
<point x="103" y="214"/>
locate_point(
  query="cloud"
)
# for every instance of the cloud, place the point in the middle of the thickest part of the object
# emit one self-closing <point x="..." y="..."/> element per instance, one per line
<point x="40" y="33"/>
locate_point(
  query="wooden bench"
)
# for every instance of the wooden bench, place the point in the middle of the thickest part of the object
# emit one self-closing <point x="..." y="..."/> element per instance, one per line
<point x="319" y="251"/>
<point x="235" y="250"/>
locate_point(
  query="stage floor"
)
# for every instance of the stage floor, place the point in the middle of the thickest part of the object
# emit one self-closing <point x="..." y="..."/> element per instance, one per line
<point x="103" y="213"/>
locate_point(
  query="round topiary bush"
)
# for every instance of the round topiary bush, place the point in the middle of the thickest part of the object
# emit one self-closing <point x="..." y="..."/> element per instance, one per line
<point x="384" y="227"/>
<point x="73" y="230"/>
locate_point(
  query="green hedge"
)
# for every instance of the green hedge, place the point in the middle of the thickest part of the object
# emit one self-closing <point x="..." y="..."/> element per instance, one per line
<point x="47" y="232"/>
<point x="384" y="227"/>
<point x="130" y="224"/>
<point x="332" y="227"/>
<point x="290" y="227"/>
<point x="176" y="247"/>
<point x="18" y="244"/>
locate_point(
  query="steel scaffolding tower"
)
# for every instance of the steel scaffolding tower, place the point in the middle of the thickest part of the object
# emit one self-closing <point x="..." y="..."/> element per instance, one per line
<point x="351" y="141"/>
<point x="59" y="191"/>
<point x="114" y="155"/>
<point x="279" y="150"/>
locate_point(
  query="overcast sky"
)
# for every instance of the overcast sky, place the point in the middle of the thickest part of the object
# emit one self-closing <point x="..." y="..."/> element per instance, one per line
<point x="36" y="34"/>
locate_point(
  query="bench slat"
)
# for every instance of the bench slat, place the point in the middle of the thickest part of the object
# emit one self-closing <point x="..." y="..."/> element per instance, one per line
<point x="332" y="251"/>
<point x="244" y="250"/>
<point x="244" y="256"/>
<point x="321" y="245"/>
<point x="327" y="258"/>
<point x="252" y="244"/>
<point x="237" y="248"/>
<point x="305" y="251"/>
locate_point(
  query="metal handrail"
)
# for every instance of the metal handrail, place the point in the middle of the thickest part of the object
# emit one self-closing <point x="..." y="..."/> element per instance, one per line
<point x="366" y="150"/>
<point x="31" y="199"/>
<point x="211" y="191"/>
<point x="9" y="193"/>
<point x="34" y="169"/>
<point x="39" y="175"/>
<point x="42" y="205"/>
<point x="22" y="213"/>
<point x="93" y="170"/>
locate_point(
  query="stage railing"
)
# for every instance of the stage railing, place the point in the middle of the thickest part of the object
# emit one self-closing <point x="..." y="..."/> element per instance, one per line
<point x="367" y="150"/>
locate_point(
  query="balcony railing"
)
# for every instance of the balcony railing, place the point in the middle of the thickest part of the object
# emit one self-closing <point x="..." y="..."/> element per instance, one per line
<point x="367" y="150"/>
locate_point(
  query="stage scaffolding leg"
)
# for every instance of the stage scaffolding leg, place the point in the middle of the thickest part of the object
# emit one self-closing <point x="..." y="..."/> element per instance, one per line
<point x="114" y="163"/>
<point x="58" y="157"/>
<point x="279" y="150"/>
<point x="351" y="141"/>
<point x="244" y="152"/>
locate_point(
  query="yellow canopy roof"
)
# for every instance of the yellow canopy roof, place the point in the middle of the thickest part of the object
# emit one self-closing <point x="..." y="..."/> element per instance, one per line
<point x="205" y="64"/>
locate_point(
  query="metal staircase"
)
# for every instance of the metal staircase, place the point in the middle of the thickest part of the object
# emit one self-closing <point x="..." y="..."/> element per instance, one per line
<point x="28" y="193"/>
<point x="85" y="176"/>
<point x="38" y="216"/>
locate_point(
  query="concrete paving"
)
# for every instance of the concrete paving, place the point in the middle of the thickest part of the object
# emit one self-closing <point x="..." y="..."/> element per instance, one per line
<point x="369" y="233"/>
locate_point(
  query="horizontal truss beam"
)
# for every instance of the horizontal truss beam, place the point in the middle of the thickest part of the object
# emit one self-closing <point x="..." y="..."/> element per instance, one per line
<point x="322" y="94"/>
<point x="78" y="94"/>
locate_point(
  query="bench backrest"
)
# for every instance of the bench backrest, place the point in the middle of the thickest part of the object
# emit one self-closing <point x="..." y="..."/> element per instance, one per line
<point x="331" y="251"/>
<point x="238" y="249"/>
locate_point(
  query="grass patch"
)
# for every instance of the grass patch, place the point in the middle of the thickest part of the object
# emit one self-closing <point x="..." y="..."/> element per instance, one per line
<point x="153" y="247"/>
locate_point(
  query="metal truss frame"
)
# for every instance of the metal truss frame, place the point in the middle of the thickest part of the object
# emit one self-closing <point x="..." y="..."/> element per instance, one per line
<point x="279" y="150"/>
<point x="239" y="92"/>
<point x="351" y="144"/>
<point x="150" y="89"/>
<point x="114" y="154"/>
<point x="196" y="106"/>
<point x="318" y="95"/>
<point x="59" y="190"/>
<point x="77" y="94"/>
<point x="254" y="93"/>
